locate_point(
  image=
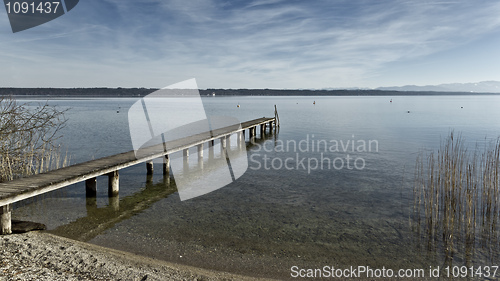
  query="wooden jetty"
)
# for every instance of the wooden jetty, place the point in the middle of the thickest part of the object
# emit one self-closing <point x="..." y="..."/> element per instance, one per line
<point x="24" y="188"/>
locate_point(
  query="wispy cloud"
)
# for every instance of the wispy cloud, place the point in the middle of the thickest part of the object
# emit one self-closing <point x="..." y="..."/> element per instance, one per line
<point x="261" y="43"/>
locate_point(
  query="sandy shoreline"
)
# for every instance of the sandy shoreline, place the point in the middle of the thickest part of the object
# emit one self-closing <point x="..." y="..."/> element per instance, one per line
<point x="43" y="256"/>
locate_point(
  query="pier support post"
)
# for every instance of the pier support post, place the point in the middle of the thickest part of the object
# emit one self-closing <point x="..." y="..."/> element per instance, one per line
<point x="149" y="167"/>
<point x="200" y="151"/>
<point x="6" y="219"/>
<point x="251" y="132"/>
<point x="166" y="165"/>
<point x="270" y="124"/>
<point x="222" y="146"/>
<point x="166" y="179"/>
<point x="185" y="153"/>
<point x="113" y="184"/>
<point x="211" y="149"/>
<point x="228" y="141"/>
<point x="91" y="187"/>
<point x="262" y="130"/>
<point x="114" y="202"/>
<point x="90" y="204"/>
<point x="239" y="136"/>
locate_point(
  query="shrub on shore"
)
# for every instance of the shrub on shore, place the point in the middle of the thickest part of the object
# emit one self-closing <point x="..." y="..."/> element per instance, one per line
<point x="28" y="136"/>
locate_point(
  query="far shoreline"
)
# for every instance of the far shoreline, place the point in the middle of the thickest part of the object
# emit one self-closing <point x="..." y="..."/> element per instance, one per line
<point x="141" y="92"/>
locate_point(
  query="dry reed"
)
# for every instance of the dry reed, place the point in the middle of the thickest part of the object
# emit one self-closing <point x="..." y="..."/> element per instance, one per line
<point x="456" y="199"/>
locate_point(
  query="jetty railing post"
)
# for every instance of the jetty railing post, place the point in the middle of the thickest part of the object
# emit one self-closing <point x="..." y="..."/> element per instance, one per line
<point x="149" y="167"/>
<point x="91" y="187"/>
<point x="113" y="183"/>
<point x="166" y="165"/>
<point x="6" y="219"/>
<point x="276" y="117"/>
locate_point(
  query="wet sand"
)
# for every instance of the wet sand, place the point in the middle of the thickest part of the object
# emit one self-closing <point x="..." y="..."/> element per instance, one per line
<point x="43" y="256"/>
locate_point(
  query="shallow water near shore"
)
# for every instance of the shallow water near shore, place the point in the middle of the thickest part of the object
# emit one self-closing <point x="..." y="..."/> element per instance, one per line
<point x="332" y="187"/>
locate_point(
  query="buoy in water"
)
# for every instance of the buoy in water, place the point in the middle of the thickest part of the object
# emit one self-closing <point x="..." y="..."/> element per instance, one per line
<point x="314" y="102"/>
<point x="238" y="105"/>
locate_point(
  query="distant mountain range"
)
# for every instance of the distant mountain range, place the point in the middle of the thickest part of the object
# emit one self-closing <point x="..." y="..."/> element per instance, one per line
<point x="479" y="87"/>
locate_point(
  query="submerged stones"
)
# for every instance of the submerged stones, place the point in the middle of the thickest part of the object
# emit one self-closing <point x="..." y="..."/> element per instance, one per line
<point x="26" y="226"/>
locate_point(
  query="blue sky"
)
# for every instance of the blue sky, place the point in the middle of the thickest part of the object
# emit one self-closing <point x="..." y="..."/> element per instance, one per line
<point x="256" y="44"/>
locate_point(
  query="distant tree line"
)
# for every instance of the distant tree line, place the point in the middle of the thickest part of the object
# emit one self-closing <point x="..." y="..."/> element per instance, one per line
<point x="140" y="92"/>
<point x="91" y="92"/>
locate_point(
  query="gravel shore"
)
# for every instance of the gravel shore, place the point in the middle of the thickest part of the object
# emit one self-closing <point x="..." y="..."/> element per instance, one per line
<point x="43" y="256"/>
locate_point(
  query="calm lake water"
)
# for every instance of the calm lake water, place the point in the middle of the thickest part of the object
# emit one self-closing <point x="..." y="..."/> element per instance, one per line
<point x="287" y="209"/>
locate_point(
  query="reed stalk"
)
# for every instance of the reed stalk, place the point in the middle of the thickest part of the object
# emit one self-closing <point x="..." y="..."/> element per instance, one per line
<point x="457" y="198"/>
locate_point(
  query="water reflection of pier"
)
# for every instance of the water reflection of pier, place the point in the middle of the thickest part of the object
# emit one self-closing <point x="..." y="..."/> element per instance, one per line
<point x="100" y="219"/>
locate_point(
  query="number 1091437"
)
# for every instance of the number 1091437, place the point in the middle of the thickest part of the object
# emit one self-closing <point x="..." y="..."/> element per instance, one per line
<point x="32" y="8"/>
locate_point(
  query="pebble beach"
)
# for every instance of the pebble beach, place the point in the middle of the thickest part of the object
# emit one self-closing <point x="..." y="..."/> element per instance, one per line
<point x="43" y="256"/>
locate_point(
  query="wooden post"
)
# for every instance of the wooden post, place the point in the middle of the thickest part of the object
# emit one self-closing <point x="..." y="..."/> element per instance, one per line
<point x="200" y="151"/>
<point x="228" y="141"/>
<point x="166" y="179"/>
<point x="166" y="165"/>
<point x="211" y="149"/>
<point x="239" y="136"/>
<point x="251" y="132"/>
<point x="114" y="202"/>
<point x="149" y="179"/>
<point x="149" y="167"/>
<point x="113" y="184"/>
<point x="185" y="153"/>
<point x="270" y="127"/>
<point x="6" y="219"/>
<point x="262" y="130"/>
<point x="276" y="117"/>
<point x="222" y="146"/>
<point x="90" y="204"/>
<point x="91" y="187"/>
